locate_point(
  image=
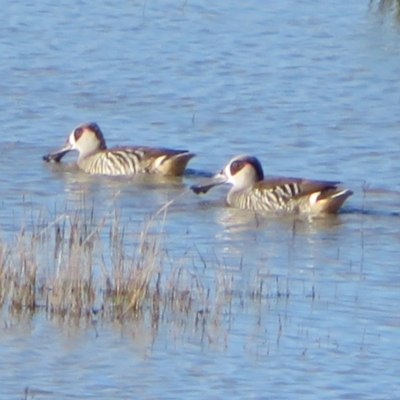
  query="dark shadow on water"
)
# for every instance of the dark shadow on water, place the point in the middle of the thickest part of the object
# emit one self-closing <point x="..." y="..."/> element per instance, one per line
<point x="369" y="212"/>
<point x="189" y="172"/>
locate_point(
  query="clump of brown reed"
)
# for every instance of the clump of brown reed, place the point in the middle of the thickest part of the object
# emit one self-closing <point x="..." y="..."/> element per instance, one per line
<point x="387" y="7"/>
<point x="18" y="285"/>
<point x="67" y="286"/>
<point x="82" y="267"/>
<point x="73" y="267"/>
<point x="135" y="276"/>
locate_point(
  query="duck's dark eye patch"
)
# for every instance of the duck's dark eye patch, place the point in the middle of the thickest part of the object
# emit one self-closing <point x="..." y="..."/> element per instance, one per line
<point x="78" y="133"/>
<point x="236" y="166"/>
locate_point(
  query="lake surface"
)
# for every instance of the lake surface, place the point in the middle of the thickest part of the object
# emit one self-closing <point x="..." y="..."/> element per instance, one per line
<point x="312" y="89"/>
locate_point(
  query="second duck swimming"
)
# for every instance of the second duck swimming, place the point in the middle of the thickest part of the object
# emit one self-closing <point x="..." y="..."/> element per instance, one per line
<point x="289" y="195"/>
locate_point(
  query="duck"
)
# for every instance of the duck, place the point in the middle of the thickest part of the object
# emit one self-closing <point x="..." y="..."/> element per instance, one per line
<point x="251" y="191"/>
<point x="96" y="159"/>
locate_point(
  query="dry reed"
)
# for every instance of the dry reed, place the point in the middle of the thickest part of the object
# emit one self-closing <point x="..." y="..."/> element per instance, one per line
<point x="387" y="7"/>
<point x="79" y="267"/>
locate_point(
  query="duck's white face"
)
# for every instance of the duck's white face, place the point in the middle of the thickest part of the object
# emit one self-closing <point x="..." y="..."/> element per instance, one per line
<point x="242" y="171"/>
<point x="85" y="138"/>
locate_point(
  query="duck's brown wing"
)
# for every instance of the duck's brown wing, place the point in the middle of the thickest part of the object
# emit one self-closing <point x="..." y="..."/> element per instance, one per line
<point x="294" y="187"/>
<point x="156" y="160"/>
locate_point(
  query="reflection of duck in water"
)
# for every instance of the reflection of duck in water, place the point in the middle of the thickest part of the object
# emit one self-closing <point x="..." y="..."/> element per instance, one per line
<point x="95" y="158"/>
<point x="290" y="195"/>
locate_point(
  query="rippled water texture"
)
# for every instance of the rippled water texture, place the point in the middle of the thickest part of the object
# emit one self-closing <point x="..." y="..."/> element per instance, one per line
<point x="311" y="88"/>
